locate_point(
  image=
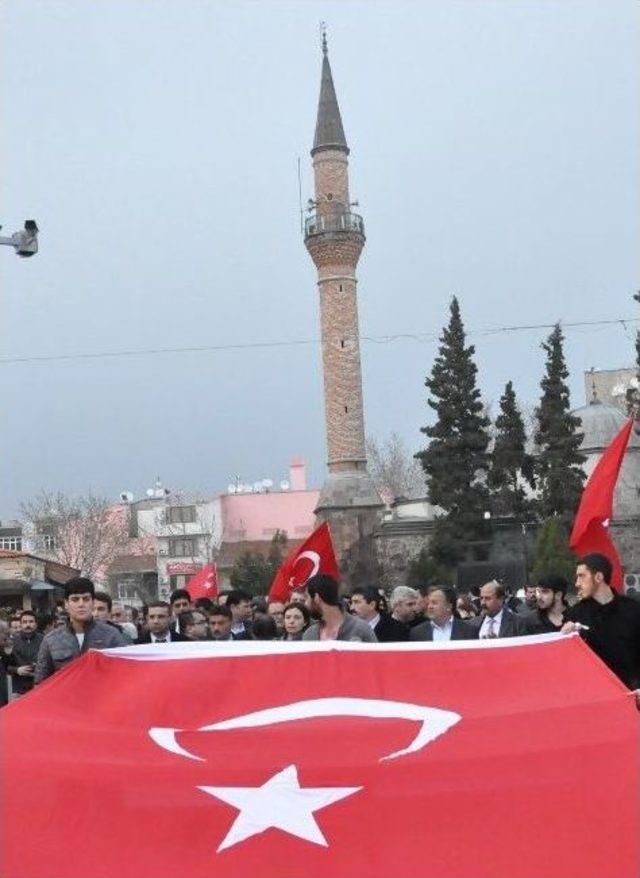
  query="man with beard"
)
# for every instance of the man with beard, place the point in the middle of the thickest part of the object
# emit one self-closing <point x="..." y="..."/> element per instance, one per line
<point x="21" y="662"/>
<point x="550" y="597"/>
<point x="331" y="622"/>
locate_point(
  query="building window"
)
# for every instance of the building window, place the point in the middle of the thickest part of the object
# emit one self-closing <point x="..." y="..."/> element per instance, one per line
<point x="180" y="580"/>
<point x="48" y="542"/>
<point x="13" y="544"/>
<point x="183" y="547"/>
<point x="126" y="591"/>
<point x="181" y="514"/>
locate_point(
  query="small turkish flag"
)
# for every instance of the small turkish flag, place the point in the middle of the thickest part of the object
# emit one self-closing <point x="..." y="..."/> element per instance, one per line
<point x="204" y="584"/>
<point x="590" y="529"/>
<point x="314" y="556"/>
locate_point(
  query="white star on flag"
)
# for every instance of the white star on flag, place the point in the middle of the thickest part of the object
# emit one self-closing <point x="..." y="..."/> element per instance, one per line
<point x="280" y="803"/>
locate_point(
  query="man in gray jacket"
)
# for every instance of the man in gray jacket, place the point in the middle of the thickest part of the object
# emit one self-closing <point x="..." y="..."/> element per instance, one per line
<point x="78" y="635"/>
<point x="332" y="623"/>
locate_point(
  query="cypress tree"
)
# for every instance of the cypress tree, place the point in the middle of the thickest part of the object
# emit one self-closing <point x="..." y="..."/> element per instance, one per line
<point x="510" y="462"/>
<point x="455" y="460"/>
<point x="558" y="468"/>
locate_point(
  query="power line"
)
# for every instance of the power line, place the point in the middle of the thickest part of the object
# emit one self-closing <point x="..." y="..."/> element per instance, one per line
<point x="422" y="337"/>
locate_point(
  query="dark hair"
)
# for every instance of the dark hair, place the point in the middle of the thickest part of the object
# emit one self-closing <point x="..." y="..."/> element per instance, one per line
<point x="326" y="587"/>
<point x="156" y="604"/>
<point x="28" y="613"/>
<point x="79" y="585"/>
<point x="449" y="593"/>
<point x="188" y="618"/>
<point x="597" y="563"/>
<point x="369" y="592"/>
<point x="220" y="610"/>
<point x="179" y="593"/>
<point x="264" y="628"/>
<point x="500" y="587"/>
<point x="104" y="597"/>
<point x="553" y="581"/>
<point x="203" y="604"/>
<point x="259" y="604"/>
<point x="236" y="596"/>
<point x="296" y="605"/>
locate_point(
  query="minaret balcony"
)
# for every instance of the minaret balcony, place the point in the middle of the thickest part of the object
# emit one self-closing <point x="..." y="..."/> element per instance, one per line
<point x="321" y="224"/>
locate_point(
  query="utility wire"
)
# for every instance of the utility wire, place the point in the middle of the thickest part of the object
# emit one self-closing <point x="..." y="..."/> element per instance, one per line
<point x="382" y="339"/>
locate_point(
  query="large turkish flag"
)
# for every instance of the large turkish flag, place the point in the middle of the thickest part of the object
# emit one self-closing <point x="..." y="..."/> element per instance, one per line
<point x="486" y="759"/>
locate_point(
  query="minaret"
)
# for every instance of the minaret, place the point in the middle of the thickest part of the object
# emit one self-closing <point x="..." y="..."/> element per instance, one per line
<point x="334" y="237"/>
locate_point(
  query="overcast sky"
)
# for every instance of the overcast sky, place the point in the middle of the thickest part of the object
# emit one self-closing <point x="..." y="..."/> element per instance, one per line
<point x="494" y="153"/>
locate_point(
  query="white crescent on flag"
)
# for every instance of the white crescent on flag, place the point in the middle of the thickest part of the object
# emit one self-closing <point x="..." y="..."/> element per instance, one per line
<point x="312" y="556"/>
<point x="435" y="722"/>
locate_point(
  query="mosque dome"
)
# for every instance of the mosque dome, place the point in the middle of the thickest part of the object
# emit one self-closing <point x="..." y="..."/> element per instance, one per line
<point x="599" y="423"/>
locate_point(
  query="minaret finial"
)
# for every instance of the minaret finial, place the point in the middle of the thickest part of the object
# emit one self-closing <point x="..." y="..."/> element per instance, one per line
<point x="323" y="33"/>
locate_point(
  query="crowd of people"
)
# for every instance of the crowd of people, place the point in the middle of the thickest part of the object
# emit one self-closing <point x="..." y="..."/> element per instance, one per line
<point x="33" y="648"/>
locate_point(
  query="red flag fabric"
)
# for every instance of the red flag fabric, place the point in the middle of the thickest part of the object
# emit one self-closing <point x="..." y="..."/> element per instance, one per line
<point x="314" y="556"/>
<point x="513" y="758"/>
<point x="590" y="529"/>
<point x="204" y="584"/>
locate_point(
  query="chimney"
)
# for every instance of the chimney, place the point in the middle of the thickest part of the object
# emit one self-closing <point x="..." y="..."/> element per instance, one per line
<point x="298" y="474"/>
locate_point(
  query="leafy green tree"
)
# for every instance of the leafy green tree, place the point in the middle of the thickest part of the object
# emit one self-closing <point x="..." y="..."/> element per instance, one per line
<point x="553" y="554"/>
<point x="455" y="460"/>
<point x="254" y="572"/>
<point x="510" y="464"/>
<point x="559" y="473"/>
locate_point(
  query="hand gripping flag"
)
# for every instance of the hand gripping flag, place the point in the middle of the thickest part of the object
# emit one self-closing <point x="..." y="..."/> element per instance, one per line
<point x="360" y="760"/>
<point x="314" y="556"/>
<point x="204" y="584"/>
<point x="591" y="526"/>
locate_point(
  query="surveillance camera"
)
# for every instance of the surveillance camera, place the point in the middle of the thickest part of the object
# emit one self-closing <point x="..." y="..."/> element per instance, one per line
<point x="31" y="226"/>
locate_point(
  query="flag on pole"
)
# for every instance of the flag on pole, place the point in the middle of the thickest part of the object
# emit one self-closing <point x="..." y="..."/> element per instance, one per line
<point x="204" y="584"/>
<point x="591" y="526"/>
<point x="200" y="766"/>
<point x="314" y="556"/>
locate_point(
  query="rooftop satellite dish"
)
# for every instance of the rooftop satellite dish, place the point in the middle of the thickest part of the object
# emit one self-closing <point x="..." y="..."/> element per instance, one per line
<point x="150" y="492"/>
<point x="284" y="486"/>
<point x="257" y="487"/>
<point x="267" y="483"/>
<point x="231" y="489"/>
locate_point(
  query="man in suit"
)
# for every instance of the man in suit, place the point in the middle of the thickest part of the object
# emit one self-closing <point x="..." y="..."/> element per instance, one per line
<point x="365" y="603"/>
<point x="159" y="628"/>
<point x="441" y="624"/>
<point x="497" y="619"/>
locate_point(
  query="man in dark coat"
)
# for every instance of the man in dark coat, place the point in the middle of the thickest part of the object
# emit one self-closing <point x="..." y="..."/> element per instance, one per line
<point x="159" y="629"/>
<point x="549" y="614"/>
<point x="365" y="604"/>
<point x="497" y="619"/>
<point x="609" y="622"/>
<point x="441" y="624"/>
<point x="21" y="661"/>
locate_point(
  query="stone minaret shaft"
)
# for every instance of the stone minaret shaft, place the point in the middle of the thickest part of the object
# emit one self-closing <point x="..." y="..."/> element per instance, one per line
<point x="334" y="237"/>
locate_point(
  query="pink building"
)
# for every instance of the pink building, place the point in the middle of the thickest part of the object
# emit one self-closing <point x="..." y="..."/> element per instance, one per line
<point x="251" y="520"/>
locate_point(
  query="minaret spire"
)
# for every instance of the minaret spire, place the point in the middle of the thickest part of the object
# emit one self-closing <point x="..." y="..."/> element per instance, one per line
<point x="329" y="130"/>
<point x="334" y="237"/>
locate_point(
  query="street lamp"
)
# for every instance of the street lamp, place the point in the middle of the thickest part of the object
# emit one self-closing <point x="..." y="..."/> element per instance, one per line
<point x="24" y="242"/>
